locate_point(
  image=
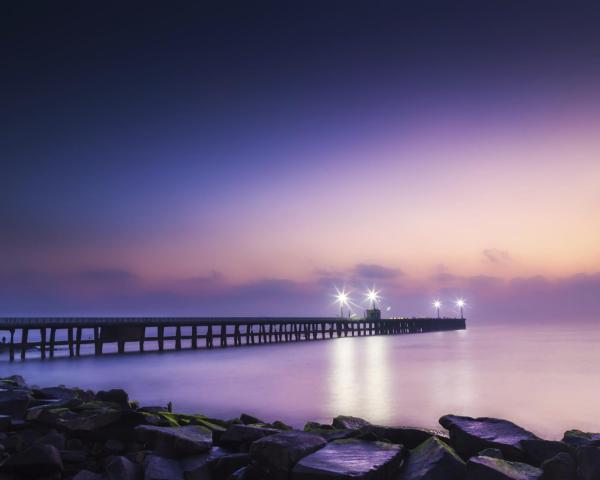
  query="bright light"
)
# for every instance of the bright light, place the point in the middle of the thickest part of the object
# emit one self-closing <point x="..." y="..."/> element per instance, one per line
<point x="372" y="295"/>
<point x="342" y="297"/>
<point x="437" y="304"/>
<point x="460" y="302"/>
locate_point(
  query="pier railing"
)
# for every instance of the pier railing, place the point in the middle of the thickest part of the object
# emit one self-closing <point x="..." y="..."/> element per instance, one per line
<point x="179" y="333"/>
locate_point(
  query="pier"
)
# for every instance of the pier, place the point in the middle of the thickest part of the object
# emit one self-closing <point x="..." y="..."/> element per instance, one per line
<point x="178" y="333"/>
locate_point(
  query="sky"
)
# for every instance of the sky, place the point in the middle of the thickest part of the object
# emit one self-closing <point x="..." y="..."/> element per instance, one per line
<point x="248" y="158"/>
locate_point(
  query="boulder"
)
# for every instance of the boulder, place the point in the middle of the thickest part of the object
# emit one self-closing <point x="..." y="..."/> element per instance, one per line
<point x="538" y="451"/>
<point x="577" y="438"/>
<point x="352" y="423"/>
<point x="53" y="438"/>
<point x="14" y="381"/>
<point x="35" y="461"/>
<point x="88" y="475"/>
<point x="239" y="437"/>
<point x="223" y="466"/>
<point x="489" y="468"/>
<point x="118" y="396"/>
<point x="5" y="422"/>
<point x="490" y="452"/>
<point x="471" y="435"/>
<point x="249" y="419"/>
<point x="433" y="460"/>
<point x="114" y="446"/>
<point x="160" y="468"/>
<point x="588" y="462"/>
<point x="121" y="468"/>
<point x="176" y="441"/>
<point x="198" y="466"/>
<point x="410" y="437"/>
<point x="275" y="454"/>
<point x="74" y="456"/>
<point x="14" y="402"/>
<point x="560" y="467"/>
<point x="351" y="459"/>
<point x="59" y="393"/>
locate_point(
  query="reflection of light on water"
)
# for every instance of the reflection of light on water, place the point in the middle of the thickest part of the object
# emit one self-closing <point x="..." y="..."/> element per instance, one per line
<point x="342" y="397"/>
<point x="360" y="378"/>
<point x="377" y="381"/>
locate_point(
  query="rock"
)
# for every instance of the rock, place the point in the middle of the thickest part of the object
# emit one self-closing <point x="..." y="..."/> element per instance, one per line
<point x="249" y="419"/>
<point x="588" y="462"/>
<point x="433" y="460"/>
<point x="5" y="422"/>
<point x="490" y="452"/>
<point x="538" y="451"/>
<point x="352" y="423"/>
<point x="36" y="461"/>
<point x="225" y="465"/>
<point x="198" y="467"/>
<point x="87" y="475"/>
<point x="160" y="468"/>
<point x="560" y="467"/>
<point x="58" y="393"/>
<point x="239" y="437"/>
<point x="410" y="437"/>
<point x="52" y="438"/>
<point x="74" y="444"/>
<point x="114" y="446"/>
<point x="577" y="438"/>
<point x="176" y="441"/>
<point x="73" y="456"/>
<point x="489" y="468"/>
<point x="279" y="425"/>
<point x="118" y="396"/>
<point x="14" y="381"/>
<point x="471" y="435"/>
<point x="276" y="454"/>
<point x="351" y="459"/>
<point x="14" y="402"/>
<point x="121" y="468"/>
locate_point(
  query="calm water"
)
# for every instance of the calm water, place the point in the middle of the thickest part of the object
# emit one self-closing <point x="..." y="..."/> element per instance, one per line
<point x="544" y="378"/>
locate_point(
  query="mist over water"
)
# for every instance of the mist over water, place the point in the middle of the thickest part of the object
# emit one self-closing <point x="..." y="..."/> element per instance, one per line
<point x="544" y="378"/>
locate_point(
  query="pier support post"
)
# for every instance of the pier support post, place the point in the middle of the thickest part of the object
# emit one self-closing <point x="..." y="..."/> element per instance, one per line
<point x="209" y="337"/>
<point x="178" y="337"/>
<point x="24" y="341"/>
<point x="52" y="339"/>
<point x="70" y="340"/>
<point x="11" y="347"/>
<point x="161" y="338"/>
<point x="43" y="342"/>
<point x="97" y="341"/>
<point x="194" y="337"/>
<point x="78" y="341"/>
<point x="224" y="335"/>
<point x="142" y="338"/>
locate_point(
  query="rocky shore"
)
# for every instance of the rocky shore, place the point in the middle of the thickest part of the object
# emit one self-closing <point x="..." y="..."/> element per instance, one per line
<point x="68" y="433"/>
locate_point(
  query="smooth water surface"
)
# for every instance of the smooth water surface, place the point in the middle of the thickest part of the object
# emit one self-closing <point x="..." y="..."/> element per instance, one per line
<point x="545" y="378"/>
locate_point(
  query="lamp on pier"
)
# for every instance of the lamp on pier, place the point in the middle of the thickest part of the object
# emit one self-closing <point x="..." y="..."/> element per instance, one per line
<point x="437" y="304"/>
<point x="460" y="303"/>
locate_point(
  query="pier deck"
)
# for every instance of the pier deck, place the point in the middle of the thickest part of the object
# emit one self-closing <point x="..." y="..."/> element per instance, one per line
<point x="197" y="332"/>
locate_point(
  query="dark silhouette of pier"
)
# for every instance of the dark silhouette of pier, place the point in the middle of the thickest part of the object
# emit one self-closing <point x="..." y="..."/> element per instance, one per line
<point x="201" y="332"/>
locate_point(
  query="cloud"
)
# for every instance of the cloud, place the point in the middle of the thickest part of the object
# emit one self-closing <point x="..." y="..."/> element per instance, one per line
<point x="372" y="271"/>
<point x="107" y="275"/>
<point x="496" y="256"/>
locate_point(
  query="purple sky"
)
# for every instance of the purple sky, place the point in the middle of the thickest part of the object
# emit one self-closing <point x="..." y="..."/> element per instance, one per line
<point x="245" y="160"/>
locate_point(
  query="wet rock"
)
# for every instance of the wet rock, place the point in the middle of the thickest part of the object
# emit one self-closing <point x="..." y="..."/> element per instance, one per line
<point x="5" y="422"/>
<point x="118" y="396"/>
<point x="160" y="468"/>
<point x="279" y="425"/>
<point x="352" y="423"/>
<point x="121" y="468"/>
<point x="239" y="437"/>
<point x="491" y="452"/>
<point x="433" y="460"/>
<point x="59" y="393"/>
<point x="14" y="402"/>
<point x="14" y="381"/>
<point x="113" y="445"/>
<point x="73" y="456"/>
<point x="249" y="419"/>
<point x="577" y="438"/>
<point x="36" y="461"/>
<point x="489" y="468"/>
<point x="74" y="444"/>
<point x="410" y="437"/>
<point x="588" y="462"/>
<point x="176" y="441"/>
<point x="275" y="454"/>
<point x="198" y="467"/>
<point x="53" y="438"/>
<point x="471" y="435"/>
<point x="538" y="451"/>
<point x="560" y="467"/>
<point x="355" y="459"/>
<point x="225" y="465"/>
<point x="88" y="475"/>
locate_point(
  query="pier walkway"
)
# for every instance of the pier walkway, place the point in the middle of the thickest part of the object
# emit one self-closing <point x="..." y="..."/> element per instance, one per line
<point x="177" y="333"/>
